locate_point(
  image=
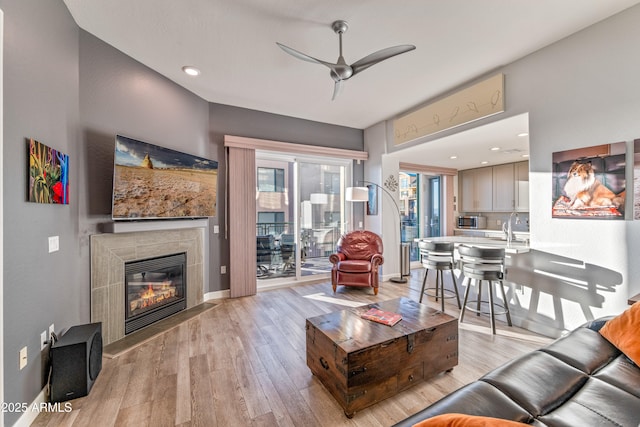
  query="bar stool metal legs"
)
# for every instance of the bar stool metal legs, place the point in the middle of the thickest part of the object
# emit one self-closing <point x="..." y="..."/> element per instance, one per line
<point x="484" y="264"/>
<point x="439" y="257"/>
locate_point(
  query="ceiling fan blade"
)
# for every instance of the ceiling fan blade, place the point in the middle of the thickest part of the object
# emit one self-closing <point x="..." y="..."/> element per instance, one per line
<point x="337" y="88"/>
<point x="304" y="56"/>
<point x="379" y="56"/>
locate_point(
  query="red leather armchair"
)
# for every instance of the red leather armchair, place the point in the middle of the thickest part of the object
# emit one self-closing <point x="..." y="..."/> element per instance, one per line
<point x="357" y="260"/>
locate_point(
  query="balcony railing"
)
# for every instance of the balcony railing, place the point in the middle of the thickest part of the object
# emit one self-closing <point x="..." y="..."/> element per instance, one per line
<point x="318" y="241"/>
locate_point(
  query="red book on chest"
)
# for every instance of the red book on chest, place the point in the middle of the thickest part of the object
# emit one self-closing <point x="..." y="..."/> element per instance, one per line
<point x="385" y="317"/>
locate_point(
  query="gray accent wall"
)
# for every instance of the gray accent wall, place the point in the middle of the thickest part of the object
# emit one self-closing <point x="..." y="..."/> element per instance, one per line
<point x="73" y="92"/>
<point x="41" y="90"/>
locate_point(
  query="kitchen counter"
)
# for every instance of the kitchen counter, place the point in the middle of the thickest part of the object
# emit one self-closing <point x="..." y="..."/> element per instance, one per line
<point x="491" y="231"/>
<point x="515" y="247"/>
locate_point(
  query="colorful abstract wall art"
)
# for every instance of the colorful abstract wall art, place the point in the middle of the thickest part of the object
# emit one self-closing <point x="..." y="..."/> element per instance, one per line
<point x="48" y="174"/>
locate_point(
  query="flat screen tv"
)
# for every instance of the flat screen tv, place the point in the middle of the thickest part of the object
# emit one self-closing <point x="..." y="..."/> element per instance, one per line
<point x="152" y="182"/>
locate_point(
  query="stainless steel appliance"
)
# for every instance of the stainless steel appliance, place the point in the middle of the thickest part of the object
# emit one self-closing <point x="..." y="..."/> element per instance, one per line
<point x="472" y="221"/>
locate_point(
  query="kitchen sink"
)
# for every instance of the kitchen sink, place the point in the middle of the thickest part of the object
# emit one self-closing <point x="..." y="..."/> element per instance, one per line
<point x="504" y="239"/>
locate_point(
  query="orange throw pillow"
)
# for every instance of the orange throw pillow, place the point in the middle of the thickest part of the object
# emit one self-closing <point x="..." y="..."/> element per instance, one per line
<point x="462" y="420"/>
<point x="623" y="331"/>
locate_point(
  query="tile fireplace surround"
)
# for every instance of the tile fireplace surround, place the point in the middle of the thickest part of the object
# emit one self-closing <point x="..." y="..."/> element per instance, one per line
<point x="110" y="251"/>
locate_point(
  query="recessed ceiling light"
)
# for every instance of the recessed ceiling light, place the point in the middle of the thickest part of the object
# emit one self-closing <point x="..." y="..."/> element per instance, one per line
<point x="453" y="157"/>
<point x="525" y="155"/>
<point x="192" y="71"/>
<point x="484" y="162"/>
<point x="523" y="134"/>
<point x="495" y="148"/>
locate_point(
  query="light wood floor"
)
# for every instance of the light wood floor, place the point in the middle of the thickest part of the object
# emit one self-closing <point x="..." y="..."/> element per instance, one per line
<point x="243" y="363"/>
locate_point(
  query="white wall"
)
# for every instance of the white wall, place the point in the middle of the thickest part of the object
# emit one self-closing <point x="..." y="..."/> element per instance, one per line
<point x="1" y="224"/>
<point x="390" y="228"/>
<point x="579" y="92"/>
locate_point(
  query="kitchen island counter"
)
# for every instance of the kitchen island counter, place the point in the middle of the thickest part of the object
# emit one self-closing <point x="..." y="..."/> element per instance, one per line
<point x="514" y="247"/>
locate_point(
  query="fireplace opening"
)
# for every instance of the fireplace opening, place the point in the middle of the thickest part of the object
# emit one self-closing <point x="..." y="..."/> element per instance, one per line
<point x="155" y="288"/>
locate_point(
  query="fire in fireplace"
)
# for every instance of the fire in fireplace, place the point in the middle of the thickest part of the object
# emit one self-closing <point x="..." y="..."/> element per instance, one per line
<point x="154" y="289"/>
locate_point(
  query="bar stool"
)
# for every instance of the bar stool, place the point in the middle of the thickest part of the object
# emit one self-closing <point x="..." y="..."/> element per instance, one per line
<point x="438" y="256"/>
<point x="487" y="264"/>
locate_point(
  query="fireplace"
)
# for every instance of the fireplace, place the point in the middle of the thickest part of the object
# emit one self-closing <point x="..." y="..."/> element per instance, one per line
<point x="110" y="252"/>
<point x="154" y="289"/>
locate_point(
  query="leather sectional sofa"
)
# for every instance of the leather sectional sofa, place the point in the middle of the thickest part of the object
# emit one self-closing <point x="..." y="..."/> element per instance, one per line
<point x="578" y="380"/>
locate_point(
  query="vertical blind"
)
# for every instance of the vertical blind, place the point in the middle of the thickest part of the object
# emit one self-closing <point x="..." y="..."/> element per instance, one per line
<point x="242" y="228"/>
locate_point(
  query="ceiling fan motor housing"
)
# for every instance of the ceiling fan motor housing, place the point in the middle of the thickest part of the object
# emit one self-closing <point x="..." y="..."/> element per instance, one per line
<point x="340" y="27"/>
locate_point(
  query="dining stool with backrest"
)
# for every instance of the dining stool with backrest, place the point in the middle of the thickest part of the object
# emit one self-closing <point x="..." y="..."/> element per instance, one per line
<point x="484" y="264"/>
<point x="438" y="256"/>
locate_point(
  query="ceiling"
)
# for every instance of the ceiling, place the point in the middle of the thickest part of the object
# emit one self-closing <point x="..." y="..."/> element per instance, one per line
<point x="233" y="43"/>
<point x="504" y="141"/>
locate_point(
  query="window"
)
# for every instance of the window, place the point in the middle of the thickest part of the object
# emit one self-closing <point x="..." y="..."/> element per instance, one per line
<point x="271" y="180"/>
<point x="332" y="183"/>
<point x="270" y="223"/>
<point x="332" y="217"/>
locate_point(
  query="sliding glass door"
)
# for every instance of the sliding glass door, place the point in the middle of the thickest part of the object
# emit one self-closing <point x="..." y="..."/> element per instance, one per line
<point x="410" y="211"/>
<point x="321" y="187"/>
<point x="300" y="213"/>
<point x="432" y="207"/>
<point x="275" y="215"/>
<point x="421" y="208"/>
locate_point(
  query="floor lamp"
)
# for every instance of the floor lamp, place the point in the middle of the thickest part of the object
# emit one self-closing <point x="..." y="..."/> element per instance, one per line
<point x="361" y="194"/>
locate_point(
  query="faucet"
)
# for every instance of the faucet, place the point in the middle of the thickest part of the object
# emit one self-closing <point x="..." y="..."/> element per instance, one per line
<point x="508" y="229"/>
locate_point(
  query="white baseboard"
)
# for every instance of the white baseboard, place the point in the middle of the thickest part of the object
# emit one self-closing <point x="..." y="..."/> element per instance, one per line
<point x="29" y="416"/>
<point x="41" y="404"/>
<point x="217" y="295"/>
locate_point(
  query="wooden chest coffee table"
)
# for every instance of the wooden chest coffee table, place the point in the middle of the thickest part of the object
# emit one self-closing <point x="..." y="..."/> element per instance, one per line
<point x="362" y="362"/>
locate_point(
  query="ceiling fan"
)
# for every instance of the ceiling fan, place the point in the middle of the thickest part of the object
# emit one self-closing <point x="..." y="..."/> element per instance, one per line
<point x="341" y="71"/>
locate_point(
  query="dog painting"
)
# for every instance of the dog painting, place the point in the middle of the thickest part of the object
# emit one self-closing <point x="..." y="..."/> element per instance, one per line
<point x="590" y="182"/>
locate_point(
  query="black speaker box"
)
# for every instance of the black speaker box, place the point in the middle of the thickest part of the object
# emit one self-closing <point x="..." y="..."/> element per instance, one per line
<point x="76" y="361"/>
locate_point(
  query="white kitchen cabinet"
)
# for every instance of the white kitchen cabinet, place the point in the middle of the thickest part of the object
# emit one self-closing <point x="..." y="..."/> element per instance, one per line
<point x="521" y="170"/>
<point x="504" y="188"/>
<point x="476" y="190"/>
<point x="501" y="188"/>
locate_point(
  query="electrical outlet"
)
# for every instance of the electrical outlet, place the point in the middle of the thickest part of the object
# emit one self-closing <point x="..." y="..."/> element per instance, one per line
<point x="223" y="269"/>
<point x="54" y="243"/>
<point x="23" y="357"/>
<point x="52" y="329"/>
<point x="43" y="340"/>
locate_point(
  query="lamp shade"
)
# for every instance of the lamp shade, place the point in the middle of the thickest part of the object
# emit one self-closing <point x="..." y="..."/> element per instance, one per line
<point x="357" y="194"/>
<point x="319" y="198"/>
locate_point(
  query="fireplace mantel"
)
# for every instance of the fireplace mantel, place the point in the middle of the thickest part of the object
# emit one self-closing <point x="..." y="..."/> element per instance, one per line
<point x="152" y="225"/>
<point x="110" y="251"/>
